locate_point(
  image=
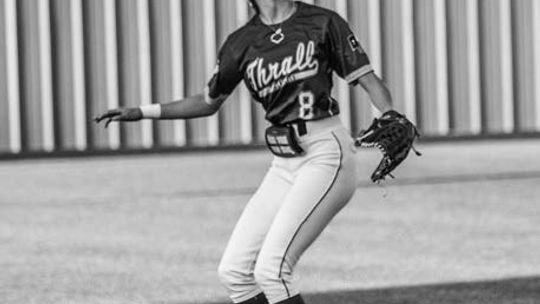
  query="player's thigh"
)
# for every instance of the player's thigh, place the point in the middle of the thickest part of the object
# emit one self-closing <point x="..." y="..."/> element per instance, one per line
<point x="321" y="189"/>
<point x="255" y="220"/>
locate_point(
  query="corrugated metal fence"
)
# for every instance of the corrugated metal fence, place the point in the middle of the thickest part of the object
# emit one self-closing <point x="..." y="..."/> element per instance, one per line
<point x="453" y="66"/>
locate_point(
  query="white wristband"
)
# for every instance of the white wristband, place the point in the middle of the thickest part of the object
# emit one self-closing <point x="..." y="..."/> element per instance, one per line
<point x="151" y="110"/>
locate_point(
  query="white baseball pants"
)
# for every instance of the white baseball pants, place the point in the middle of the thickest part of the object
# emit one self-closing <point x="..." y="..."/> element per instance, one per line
<point x="295" y="202"/>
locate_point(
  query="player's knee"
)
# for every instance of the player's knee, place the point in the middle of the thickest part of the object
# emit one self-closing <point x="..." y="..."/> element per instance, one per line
<point x="262" y="275"/>
<point x="266" y="273"/>
<point x="226" y="274"/>
<point x="230" y="275"/>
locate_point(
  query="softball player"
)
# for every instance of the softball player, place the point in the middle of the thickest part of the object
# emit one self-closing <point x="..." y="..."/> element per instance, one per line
<point x="286" y="55"/>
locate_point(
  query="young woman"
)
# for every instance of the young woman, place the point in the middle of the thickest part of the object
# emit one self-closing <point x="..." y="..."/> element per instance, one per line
<point x="286" y="55"/>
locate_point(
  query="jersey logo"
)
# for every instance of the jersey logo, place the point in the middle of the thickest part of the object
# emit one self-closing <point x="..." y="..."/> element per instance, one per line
<point x="269" y="78"/>
<point x="277" y="36"/>
<point x="353" y="43"/>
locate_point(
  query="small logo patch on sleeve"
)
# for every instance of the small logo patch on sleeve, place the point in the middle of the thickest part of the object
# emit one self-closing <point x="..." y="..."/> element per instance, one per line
<point x="353" y="42"/>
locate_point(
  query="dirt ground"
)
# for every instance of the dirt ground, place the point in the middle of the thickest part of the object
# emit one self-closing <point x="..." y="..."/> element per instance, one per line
<point x="461" y="224"/>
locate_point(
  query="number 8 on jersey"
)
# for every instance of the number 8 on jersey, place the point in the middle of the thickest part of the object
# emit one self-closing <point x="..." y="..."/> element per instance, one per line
<point x="306" y="100"/>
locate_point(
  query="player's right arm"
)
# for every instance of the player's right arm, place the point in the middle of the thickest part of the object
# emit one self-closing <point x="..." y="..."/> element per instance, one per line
<point x="198" y="105"/>
<point x="224" y="79"/>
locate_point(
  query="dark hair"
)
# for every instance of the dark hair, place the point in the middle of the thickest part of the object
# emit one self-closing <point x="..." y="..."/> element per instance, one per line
<point x="255" y="6"/>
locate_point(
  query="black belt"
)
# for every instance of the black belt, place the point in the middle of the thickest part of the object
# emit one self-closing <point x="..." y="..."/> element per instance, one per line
<point x="300" y="127"/>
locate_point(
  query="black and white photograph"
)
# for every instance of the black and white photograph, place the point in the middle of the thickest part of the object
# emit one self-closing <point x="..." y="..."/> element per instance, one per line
<point x="269" y="151"/>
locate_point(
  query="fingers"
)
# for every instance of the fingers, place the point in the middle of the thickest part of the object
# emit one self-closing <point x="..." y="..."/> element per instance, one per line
<point x="108" y="122"/>
<point x="111" y="115"/>
<point x="111" y="119"/>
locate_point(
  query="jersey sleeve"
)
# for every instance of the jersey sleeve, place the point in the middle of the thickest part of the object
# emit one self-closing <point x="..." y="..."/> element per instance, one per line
<point x="227" y="73"/>
<point x="347" y="57"/>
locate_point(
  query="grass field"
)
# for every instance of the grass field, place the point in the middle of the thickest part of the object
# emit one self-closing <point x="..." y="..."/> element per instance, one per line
<point x="460" y="224"/>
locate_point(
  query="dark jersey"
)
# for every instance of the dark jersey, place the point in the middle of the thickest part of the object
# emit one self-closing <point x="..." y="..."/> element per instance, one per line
<point x="288" y="68"/>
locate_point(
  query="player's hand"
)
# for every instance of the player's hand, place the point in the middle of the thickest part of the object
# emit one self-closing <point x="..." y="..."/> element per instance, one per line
<point x="120" y="114"/>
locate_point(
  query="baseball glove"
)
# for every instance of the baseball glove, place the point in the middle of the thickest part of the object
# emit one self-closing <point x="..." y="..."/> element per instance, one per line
<point x="394" y="135"/>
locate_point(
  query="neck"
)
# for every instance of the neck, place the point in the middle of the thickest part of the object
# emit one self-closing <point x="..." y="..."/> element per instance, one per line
<point x="275" y="11"/>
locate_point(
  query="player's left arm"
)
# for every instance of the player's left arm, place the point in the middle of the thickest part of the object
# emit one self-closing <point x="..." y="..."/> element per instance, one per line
<point x="378" y="91"/>
<point x="350" y="62"/>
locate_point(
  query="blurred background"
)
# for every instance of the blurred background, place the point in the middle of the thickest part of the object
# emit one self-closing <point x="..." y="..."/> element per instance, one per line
<point x="457" y="68"/>
<point x="460" y="224"/>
